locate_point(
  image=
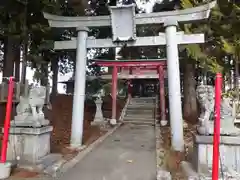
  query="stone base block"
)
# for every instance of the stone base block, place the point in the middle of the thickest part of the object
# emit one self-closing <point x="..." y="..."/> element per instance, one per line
<point x="190" y="174"/>
<point x="203" y="152"/>
<point x="29" y="145"/>
<point x="30" y="123"/>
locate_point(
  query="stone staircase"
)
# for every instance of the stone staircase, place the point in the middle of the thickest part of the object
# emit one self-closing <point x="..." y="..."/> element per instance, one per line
<point x="141" y="111"/>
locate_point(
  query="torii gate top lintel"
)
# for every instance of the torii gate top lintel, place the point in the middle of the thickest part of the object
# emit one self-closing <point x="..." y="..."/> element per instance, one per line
<point x="186" y="15"/>
<point x="123" y="21"/>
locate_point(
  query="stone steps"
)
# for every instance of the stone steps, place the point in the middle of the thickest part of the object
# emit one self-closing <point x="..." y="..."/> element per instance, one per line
<point x="141" y="111"/>
<point x="141" y="107"/>
<point x="139" y="115"/>
<point x="137" y="111"/>
<point x="141" y="102"/>
<point x="140" y="122"/>
<point x="143" y="99"/>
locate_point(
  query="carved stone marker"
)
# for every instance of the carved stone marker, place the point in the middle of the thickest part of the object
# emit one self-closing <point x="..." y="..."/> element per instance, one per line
<point x="29" y="136"/>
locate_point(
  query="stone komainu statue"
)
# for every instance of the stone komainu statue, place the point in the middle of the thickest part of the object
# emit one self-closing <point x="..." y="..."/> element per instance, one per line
<point x="206" y="99"/>
<point x="30" y="108"/>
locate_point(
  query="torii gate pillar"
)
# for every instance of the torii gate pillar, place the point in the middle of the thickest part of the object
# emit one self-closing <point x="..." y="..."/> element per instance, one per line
<point x="174" y="89"/>
<point x="113" y="121"/>
<point x="162" y="103"/>
<point x="79" y="88"/>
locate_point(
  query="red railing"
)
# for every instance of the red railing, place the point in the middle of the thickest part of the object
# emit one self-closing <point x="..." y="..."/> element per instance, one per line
<point x="216" y="136"/>
<point x="7" y="121"/>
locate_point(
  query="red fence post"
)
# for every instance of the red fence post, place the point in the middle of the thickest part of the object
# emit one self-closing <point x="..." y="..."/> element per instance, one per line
<point x="7" y="121"/>
<point x="216" y="136"/>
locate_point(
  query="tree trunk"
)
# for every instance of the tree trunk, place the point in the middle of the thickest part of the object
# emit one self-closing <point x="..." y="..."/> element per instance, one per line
<point x="24" y="46"/>
<point x="236" y="81"/>
<point x="17" y="66"/>
<point x="55" y="76"/>
<point x="44" y="79"/>
<point x="11" y="48"/>
<point x="190" y="107"/>
<point x="24" y="62"/>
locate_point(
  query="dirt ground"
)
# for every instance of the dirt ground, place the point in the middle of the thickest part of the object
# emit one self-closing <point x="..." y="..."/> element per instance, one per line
<point x="172" y="159"/>
<point x="60" y="118"/>
<point x="61" y="115"/>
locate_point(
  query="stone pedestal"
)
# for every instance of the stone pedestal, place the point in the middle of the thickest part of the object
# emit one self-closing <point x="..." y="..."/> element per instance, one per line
<point x="29" y="145"/>
<point x="26" y="120"/>
<point x="203" y="152"/>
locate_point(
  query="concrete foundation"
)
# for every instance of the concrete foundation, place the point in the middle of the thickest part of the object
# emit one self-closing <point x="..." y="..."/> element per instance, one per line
<point x="5" y="169"/>
<point x="203" y="152"/>
<point x="29" y="145"/>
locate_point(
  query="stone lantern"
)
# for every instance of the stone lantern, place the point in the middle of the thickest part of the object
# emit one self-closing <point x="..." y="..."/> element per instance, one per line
<point x="98" y="116"/>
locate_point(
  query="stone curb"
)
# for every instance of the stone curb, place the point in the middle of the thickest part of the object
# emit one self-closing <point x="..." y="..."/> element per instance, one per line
<point x="161" y="173"/>
<point x="188" y="171"/>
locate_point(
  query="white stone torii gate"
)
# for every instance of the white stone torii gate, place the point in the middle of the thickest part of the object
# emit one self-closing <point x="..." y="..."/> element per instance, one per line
<point x="123" y="22"/>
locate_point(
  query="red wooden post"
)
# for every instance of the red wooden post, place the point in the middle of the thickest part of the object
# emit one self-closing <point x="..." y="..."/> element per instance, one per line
<point x="162" y="93"/>
<point x="7" y="121"/>
<point x="216" y="136"/>
<point x="114" y="91"/>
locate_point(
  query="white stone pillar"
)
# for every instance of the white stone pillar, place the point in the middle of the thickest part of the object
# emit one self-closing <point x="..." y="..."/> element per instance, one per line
<point x="79" y="88"/>
<point x="174" y="89"/>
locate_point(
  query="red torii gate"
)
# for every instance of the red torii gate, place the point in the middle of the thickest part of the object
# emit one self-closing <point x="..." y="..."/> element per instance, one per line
<point x="150" y="64"/>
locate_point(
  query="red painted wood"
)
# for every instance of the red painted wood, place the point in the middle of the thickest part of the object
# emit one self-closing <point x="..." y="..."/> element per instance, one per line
<point x="130" y="63"/>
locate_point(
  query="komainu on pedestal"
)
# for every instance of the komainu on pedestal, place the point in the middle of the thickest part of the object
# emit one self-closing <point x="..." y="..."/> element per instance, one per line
<point x="29" y="134"/>
<point x="30" y="109"/>
<point x="206" y="97"/>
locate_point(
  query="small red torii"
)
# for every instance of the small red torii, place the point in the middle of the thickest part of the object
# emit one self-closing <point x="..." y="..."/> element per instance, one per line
<point x="142" y="65"/>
